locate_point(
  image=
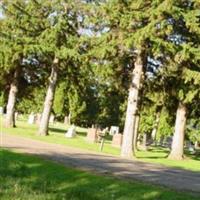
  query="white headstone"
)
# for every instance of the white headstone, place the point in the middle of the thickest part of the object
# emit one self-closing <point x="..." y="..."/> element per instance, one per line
<point x="114" y="130"/>
<point x="71" y="132"/>
<point x="31" y="118"/>
<point x="51" y="120"/>
<point x="190" y="147"/>
<point x="1" y="110"/>
<point x="16" y="116"/>
<point x="38" y="118"/>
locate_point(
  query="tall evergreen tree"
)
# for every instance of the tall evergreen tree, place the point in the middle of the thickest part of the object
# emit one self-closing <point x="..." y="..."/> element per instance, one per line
<point x="14" y="44"/>
<point x="137" y="29"/>
<point x="60" y="43"/>
<point x="183" y="66"/>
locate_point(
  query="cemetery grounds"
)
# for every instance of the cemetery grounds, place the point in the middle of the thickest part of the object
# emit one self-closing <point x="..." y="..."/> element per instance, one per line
<point x="57" y="135"/>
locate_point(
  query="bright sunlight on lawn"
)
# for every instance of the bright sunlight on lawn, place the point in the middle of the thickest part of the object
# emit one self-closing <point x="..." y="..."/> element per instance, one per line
<point x="31" y="178"/>
<point x="57" y="131"/>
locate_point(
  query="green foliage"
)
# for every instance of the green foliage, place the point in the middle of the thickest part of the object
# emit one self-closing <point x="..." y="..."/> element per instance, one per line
<point x="193" y="130"/>
<point x="33" y="102"/>
<point x="58" y="106"/>
<point x="95" y="69"/>
<point x="34" y="178"/>
<point x="76" y="106"/>
<point x="2" y="99"/>
<point x="166" y="123"/>
<point x="147" y="118"/>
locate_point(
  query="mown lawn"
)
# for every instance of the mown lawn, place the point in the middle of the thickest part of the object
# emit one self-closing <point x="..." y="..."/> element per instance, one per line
<point x="56" y="135"/>
<point x="25" y="177"/>
<point x="159" y="155"/>
<point x="57" y="131"/>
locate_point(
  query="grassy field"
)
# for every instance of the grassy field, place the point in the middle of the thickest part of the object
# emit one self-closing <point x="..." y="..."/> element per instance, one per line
<point x="26" y="177"/>
<point x="57" y="131"/>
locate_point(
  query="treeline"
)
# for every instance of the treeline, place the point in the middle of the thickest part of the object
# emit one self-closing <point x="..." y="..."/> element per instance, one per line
<point x="135" y="64"/>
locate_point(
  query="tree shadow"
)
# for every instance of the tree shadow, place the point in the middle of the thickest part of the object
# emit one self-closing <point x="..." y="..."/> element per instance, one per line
<point x="28" y="177"/>
<point x="58" y="130"/>
<point x="63" y="131"/>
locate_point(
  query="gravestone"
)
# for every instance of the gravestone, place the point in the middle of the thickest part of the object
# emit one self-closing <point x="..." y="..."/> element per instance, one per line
<point x="117" y="140"/>
<point x="31" y="118"/>
<point x="92" y="135"/>
<point x="196" y="145"/>
<point x="105" y="131"/>
<point x="161" y="141"/>
<point x="38" y="118"/>
<point x="168" y="142"/>
<point x="71" y="133"/>
<point x="190" y="147"/>
<point x="1" y="110"/>
<point x="66" y="120"/>
<point x="51" y="120"/>
<point x="16" y="116"/>
<point x="114" y="130"/>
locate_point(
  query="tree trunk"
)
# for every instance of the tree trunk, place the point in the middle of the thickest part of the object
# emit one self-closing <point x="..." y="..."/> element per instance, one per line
<point x="10" y="109"/>
<point x="44" y="123"/>
<point x="155" y="129"/>
<point x="177" y="149"/>
<point x="127" y="149"/>
<point x="135" y="137"/>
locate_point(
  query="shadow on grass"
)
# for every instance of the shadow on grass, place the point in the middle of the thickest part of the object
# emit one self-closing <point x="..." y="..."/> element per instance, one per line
<point x="151" y="157"/>
<point x="63" y="131"/>
<point x="195" y="156"/>
<point x="158" y="149"/>
<point x="58" y="130"/>
<point x="28" y="177"/>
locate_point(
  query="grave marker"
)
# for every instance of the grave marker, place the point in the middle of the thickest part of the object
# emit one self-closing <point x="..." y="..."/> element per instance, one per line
<point x="71" y="133"/>
<point x="114" y="130"/>
<point x="92" y="135"/>
<point x="117" y="140"/>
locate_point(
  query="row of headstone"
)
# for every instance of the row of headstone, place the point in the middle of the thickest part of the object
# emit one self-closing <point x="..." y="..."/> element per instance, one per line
<point x="94" y="134"/>
<point x="36" y="118"/>
<point x="114" y="130"/>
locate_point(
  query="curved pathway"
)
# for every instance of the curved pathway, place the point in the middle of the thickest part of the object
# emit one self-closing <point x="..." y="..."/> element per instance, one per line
<point x="105" y="164"/>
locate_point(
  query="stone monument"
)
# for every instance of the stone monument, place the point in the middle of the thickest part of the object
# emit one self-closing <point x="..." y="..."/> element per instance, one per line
<point x="31" y="118"/>
<point x="92" y="135"/>
<point x="117" y="140"/>
<point x="38" y="118"/>
<point x="1" y="110"/>
<point x="71" y="132"/>
<point x="51" y="120"/>
<point x="114" y="130"/>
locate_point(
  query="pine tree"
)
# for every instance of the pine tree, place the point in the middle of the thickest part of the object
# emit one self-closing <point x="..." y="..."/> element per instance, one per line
<point x="14" y="44"/>
<point x="137" y="30"/>
<point x="60" y="43"/>
<point x="181" y="64"/>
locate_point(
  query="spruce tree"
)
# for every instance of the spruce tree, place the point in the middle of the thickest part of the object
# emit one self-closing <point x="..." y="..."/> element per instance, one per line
<point x="183" y="66"/>
<point x="59" y="41"/>
<point x="13" y="47"/>
<point x="136" y="29"/>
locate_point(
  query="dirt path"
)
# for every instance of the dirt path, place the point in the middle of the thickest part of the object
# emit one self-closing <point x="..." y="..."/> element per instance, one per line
<point x="100" y="163"/>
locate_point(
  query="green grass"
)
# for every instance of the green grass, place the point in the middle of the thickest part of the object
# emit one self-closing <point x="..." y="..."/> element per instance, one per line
<point x="56" y="135"/>
<point x="159" y="155"/>
<point x="24" y="177"/>
<point x="57" y="131"/>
